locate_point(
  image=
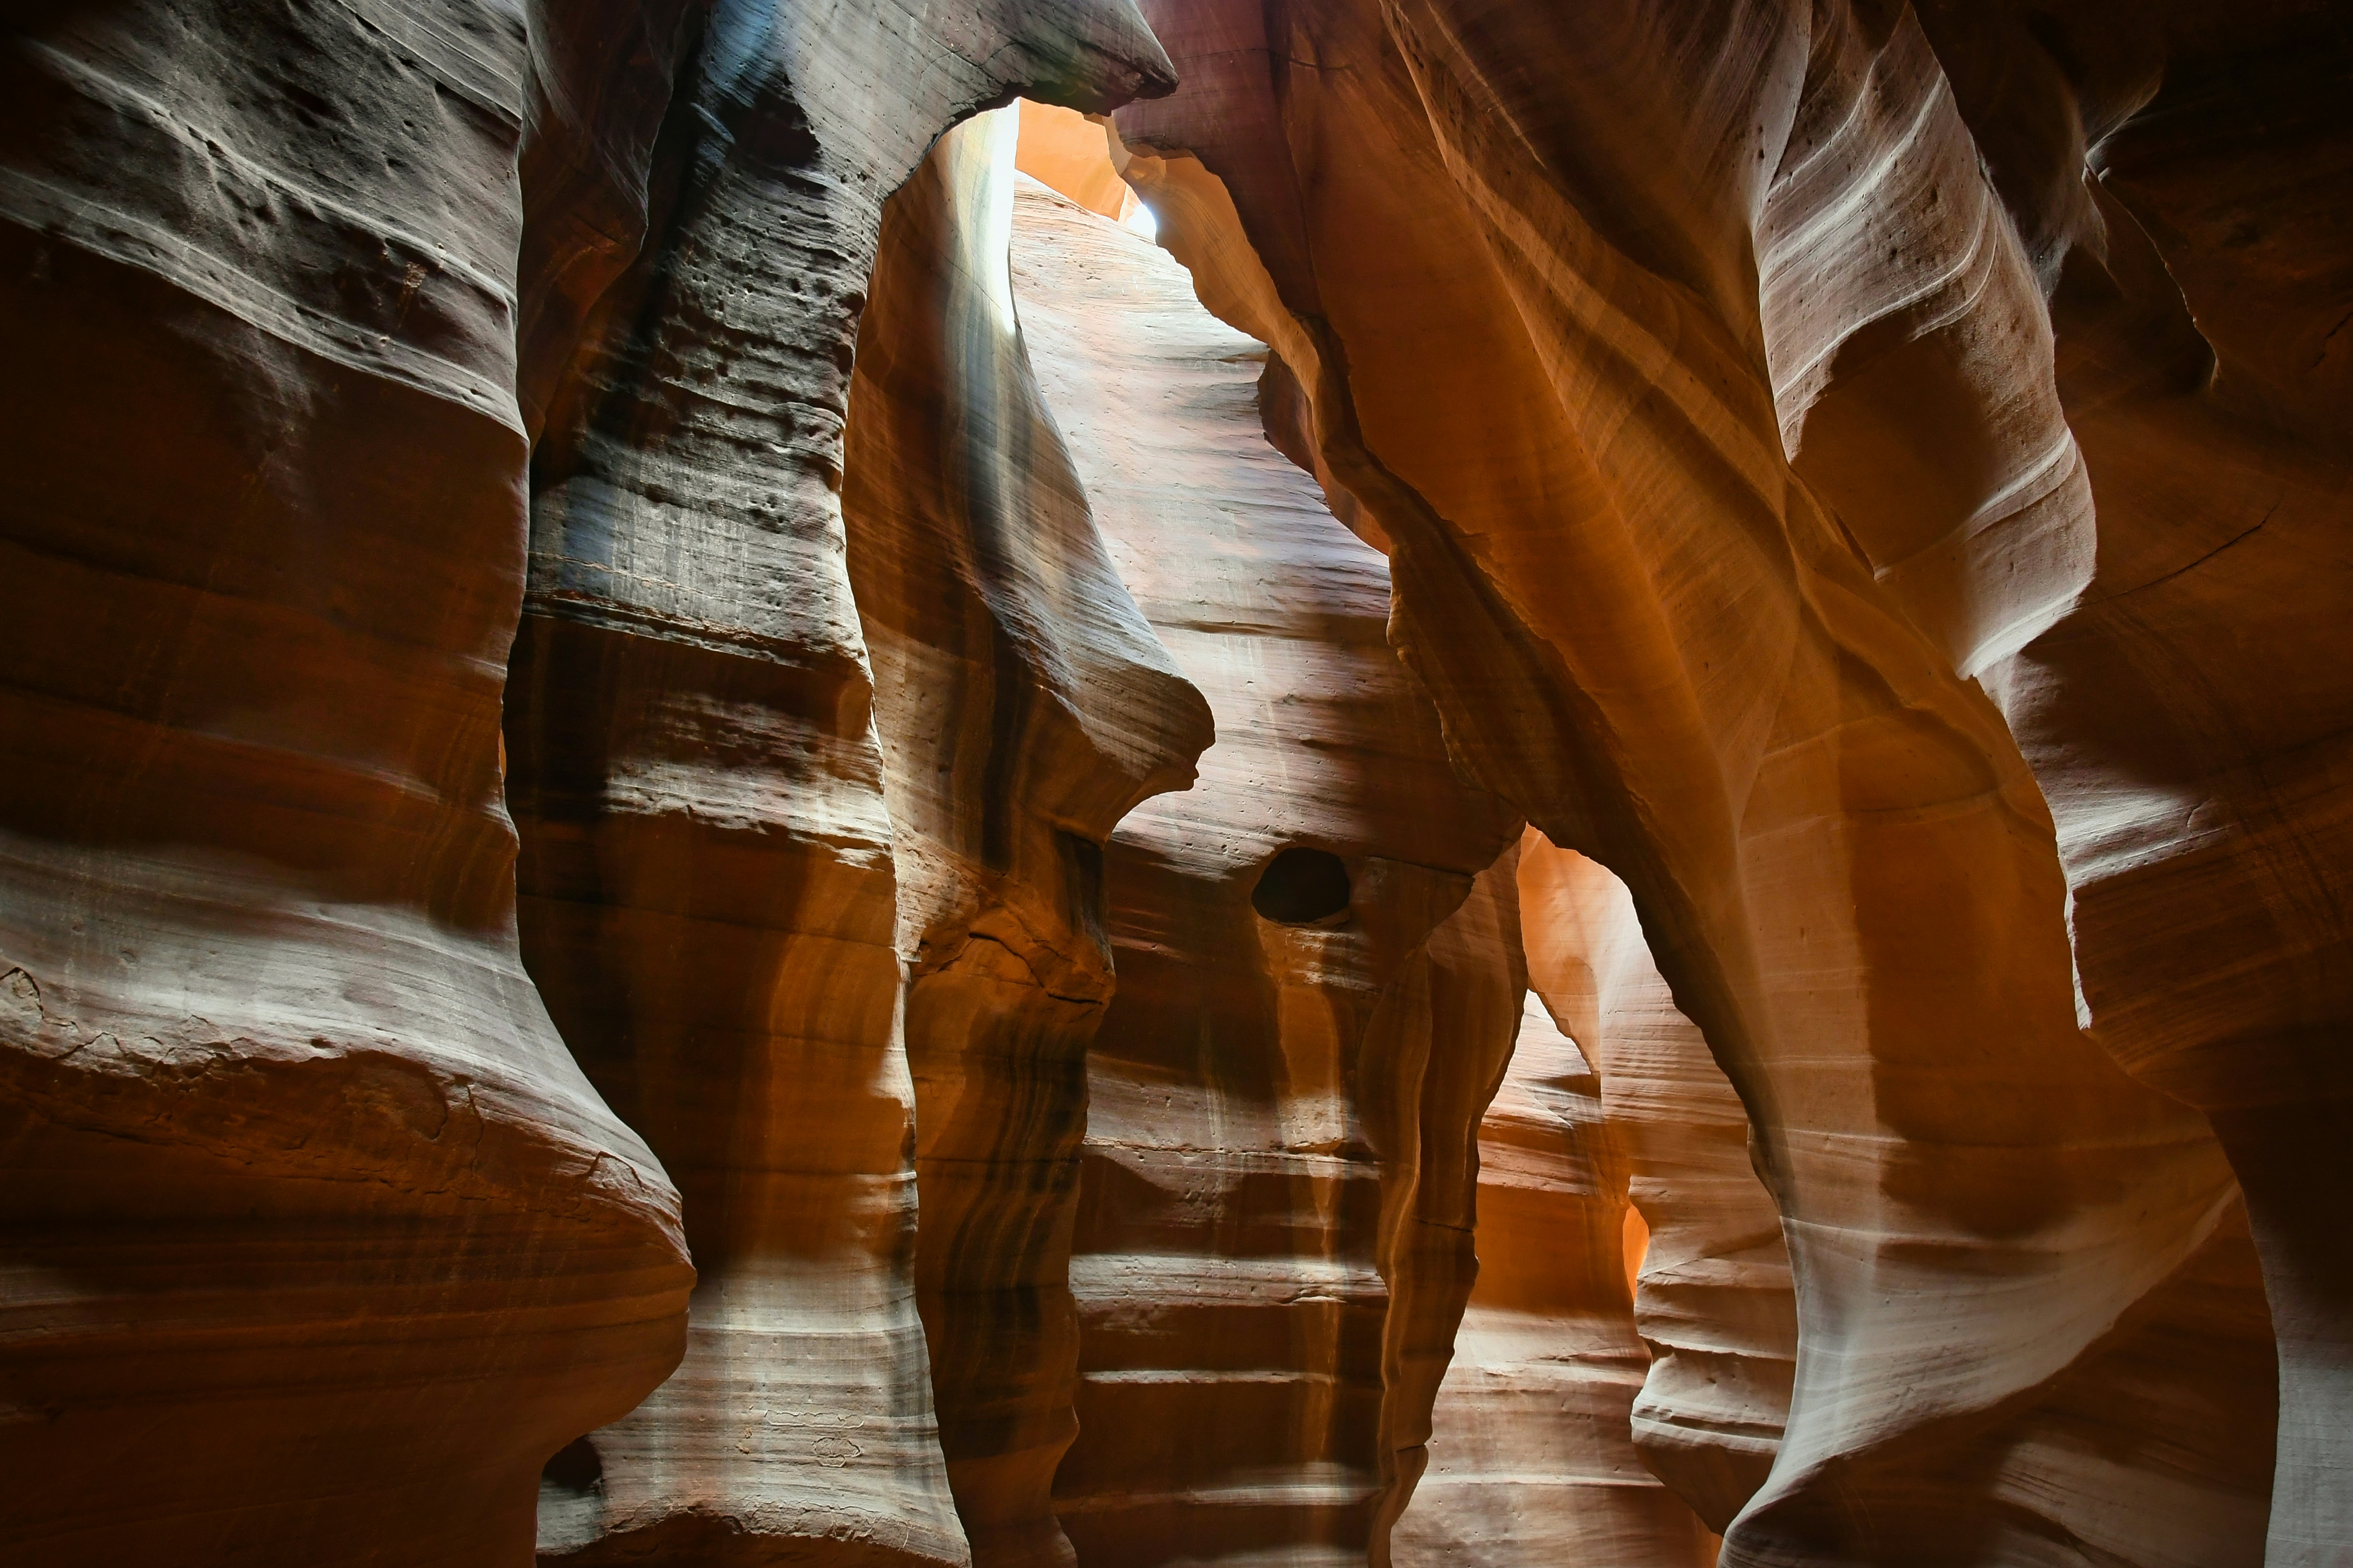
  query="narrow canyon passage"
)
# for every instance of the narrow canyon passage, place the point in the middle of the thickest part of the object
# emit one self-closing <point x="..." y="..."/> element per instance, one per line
<point x="1153" y="783"/>
<point x="1259" y="1295"/>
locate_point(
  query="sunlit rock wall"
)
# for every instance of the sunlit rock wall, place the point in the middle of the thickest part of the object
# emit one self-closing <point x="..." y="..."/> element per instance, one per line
<point x="1532" y="1451"/>
<point x="1023" y="706"/>
<point x="2189" y="718"/>
<point x="1714" y="1304"/>
<point x="709" y="898"/>
<point x="1560" y="329"/>
<point x="1273" y="1244"/>
<point x="1872" y="476"/>
<point x="316" y="1242"/>
<point x="2149" y="1450"/>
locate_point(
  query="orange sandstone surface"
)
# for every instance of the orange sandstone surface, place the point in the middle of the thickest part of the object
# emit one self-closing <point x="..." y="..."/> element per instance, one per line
<point x="1403" y="783"/>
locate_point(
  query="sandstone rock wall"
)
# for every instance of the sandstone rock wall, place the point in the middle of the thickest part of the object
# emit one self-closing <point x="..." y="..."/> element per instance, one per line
<point x="548" y="734"/>
<point x="2192" y="294"/>
<point x="1715" y="1305"/>
<point x="1317" y="972"/>
<point x="317" y="1241"/>
<point x="2187" y="719"/>
<point x="1071" y="153"/>
<point x="1535" y="316"/>
<point x="709" y="893"/>
<point x="1023" y="706"/>
<point x="2148" y="1450"/>
<point x="1531" y="1453"/>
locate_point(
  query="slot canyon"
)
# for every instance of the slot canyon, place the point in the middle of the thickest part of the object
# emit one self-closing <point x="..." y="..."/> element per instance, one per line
<point x="1152" y="784"/>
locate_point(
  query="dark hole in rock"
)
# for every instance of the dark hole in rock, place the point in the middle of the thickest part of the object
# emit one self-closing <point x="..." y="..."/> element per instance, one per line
<point x="1301" y="887"/>
<point x="570" y="1498"/>
<point x="575" y="1468"/>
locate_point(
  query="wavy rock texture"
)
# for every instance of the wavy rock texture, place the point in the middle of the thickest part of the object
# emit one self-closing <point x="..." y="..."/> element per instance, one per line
<point x="709" y="898"/>
<point x="2189" y="718"/>
<point x="1647" y="629"/>
<point x="1023" y="706"/>
<point x="317" y="1242"/>
<point x="1273" y="1245"/>
<point x="2193" y="304"/>
<point x="1715" y="1303"/>
<point x="1532" y="1452"/>
<point x="1870" y="482"/>
<point x="2149" y="1450"/>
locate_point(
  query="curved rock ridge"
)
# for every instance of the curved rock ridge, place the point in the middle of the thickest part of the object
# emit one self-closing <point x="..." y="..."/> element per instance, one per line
<point x="2152" y="1449"/>
<point x="1531" y="1453"/>
<point x="1908" y="347"/>
<point x="2189" y="719"/>
<point x="1272" y="1243"/>
<point x="317" y="1243"/>
<point x="1715" y="1303"/>
<point x="2185" y="716"/>
<point x="1525" y="311"/>
<point x="709" y="901"/>
<point x="1023" y="706"/>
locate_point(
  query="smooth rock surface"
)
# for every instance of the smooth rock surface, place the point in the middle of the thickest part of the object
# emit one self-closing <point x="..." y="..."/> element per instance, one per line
<point x="1069" y="153"/>
<point x="1273" y="1242"/>
<point x="709" y="901"/>
<point x="2149" y="1449"/>
<point x="1869" y="481"/>
<point x="1532" y="1451"/>
<point x="2189" y="718"/>
<point x="1519" y="263"/>
<point x="1715" y="1303"/>
<point x="1023" y="706"/>
<point x="316" y="1242"/>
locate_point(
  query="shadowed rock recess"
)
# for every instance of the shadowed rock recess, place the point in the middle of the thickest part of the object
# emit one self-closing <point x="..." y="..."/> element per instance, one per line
<point x="1425" y="783"/>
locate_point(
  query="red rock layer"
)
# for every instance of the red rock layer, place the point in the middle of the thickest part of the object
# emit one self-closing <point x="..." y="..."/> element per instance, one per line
<point x="2197" y="784"/>
<point x="317" y="1243"/>
<point x="1873" y="476"/>
<point x="1273" y="1240"/>
<point x="1023" y="706"/>
<point x="709" y="900"/>
<point x="1532" y="1452"/>
<point x="1524" y="265"/>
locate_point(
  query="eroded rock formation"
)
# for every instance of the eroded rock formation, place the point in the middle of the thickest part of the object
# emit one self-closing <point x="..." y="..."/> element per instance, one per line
<point x="567" y="709"/>
<point x="1714" y="1305"/>
<point x="2139" y="1452"/>
<point x="1532" y="1456"/>
<point x="1317" y="971"/>
<point x="317" y="1242"/>
<point x="1023" y="706"/>
<point x="2188" y="717"/>
<point x="1650" y="631"/>
<point x="710" y="896"/>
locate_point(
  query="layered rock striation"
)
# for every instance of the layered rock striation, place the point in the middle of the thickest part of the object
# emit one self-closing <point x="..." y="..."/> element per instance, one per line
<point x="317" y="1242"/>
<point x="2186" y="718"/>
<point x="1532" y="1448"/>
<point x="1317" y="972"/>
<point x="568" y="709"/>
<point x="1675" y="650"/>
<point x="1714" y="1304"/>
<point x="709" y="894"/>
<point x="1023" y="706"/>
<point x="2146" y="1450"/>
